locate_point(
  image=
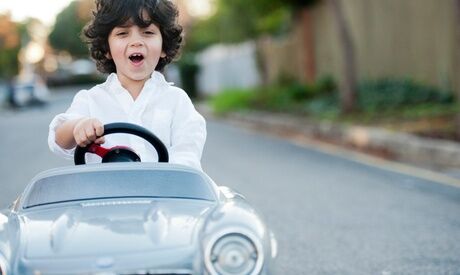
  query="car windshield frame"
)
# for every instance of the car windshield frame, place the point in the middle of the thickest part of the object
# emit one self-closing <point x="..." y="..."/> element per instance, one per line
<point x="118" y="184"/>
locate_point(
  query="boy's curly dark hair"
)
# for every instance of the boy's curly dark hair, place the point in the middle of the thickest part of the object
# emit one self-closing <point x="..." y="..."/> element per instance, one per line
<point x="112" y="13"/>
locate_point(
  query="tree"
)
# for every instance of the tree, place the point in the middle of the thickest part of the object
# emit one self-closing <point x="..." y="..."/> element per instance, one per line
<point x="67" y="30"/>
<point x="239" y="20"/>
<point x="9" y="46"/>
<point x="348" y="85"/>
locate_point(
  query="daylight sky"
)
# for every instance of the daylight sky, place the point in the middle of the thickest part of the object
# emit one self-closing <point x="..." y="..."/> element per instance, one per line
<point x="46" y="10"/>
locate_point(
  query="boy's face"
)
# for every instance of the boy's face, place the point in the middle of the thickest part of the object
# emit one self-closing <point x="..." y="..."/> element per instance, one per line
<point x="135" y="51"/>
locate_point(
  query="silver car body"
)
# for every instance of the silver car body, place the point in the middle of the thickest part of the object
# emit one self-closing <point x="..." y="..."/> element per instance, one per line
<point x="132" y="218"/>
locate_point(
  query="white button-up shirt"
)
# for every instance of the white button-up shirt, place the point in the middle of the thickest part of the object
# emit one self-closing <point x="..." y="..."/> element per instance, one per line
<point x="165" y="110"/>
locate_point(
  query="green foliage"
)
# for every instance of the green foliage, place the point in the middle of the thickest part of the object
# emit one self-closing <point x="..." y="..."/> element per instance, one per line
<point x="233" y="22"/>
<point x="394" y="93"/>
<point x="402" y="98"/>
<point x="240" y="20"/>
<point x="289" y="97"/>
<point x="73" y="80"/>
<point x="273" y="22"/>
<point x="304" y="3"/>
<point x="324" y="106"/>
<point x="387" y="97"/>
<point x="268" y="6"/>
<point x="188" y="70"/>
<point x="292" y="96"/>
<point x="66" y="31"/>
<point x="274" y="98"/>
<point x="328" y="108"/>
<point x="231" y="100"/>
<point x="202" y="34"/>
<point x="9" y="65"/>
<point x="427" y="110"/>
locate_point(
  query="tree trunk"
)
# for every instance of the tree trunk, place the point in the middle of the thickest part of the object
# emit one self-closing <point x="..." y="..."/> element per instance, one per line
<point x="456" y="84"/>
<point x="348" y="84"/>
<point x="309" y="44"/>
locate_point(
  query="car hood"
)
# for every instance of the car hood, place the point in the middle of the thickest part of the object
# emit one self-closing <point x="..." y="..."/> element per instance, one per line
<point x="112" y="227"/>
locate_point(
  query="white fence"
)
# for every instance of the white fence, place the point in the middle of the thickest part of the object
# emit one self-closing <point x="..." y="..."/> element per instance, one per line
<point x="227" y="66"/>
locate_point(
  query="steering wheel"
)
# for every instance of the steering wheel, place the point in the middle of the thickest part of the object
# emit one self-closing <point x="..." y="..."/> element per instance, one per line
<point x="122" y="153"/>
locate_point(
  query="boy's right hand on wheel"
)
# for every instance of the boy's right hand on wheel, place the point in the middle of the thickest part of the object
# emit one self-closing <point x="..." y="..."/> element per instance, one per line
<point x="88" y="130"/>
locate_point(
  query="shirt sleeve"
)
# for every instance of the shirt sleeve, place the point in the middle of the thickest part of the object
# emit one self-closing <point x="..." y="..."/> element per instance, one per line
<point x="78" y="109"/>
<point x="188" y="134"/>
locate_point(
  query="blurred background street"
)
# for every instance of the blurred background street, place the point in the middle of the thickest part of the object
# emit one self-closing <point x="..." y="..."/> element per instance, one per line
<point x="294" y="92"/>
<point x="331" y="214"/>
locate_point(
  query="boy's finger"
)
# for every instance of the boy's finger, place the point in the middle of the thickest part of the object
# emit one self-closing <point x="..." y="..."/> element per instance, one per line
<point x="98" y="127"/>
<point x="90" y="134"/>
<point x="100" y="140"/>
<point x="81" y="141"/>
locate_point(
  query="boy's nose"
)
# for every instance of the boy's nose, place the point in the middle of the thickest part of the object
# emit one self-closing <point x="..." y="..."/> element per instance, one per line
<point x="136" y="43"/>
<point x="136" y="40"/>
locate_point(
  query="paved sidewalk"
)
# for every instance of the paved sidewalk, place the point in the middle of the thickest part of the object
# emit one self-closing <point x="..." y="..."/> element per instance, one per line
<point x="439" y="156"/>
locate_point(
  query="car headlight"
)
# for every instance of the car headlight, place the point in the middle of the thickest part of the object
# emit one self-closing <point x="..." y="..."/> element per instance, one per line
<point x="234" y="252"/>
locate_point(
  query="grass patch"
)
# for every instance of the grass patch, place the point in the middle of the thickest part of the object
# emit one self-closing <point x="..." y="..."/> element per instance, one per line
<point x="232" y="100"/>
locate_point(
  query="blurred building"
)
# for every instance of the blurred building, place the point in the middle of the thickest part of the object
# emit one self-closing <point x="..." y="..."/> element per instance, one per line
<point x="391" y="38"/>
<point x="227" y="67"/>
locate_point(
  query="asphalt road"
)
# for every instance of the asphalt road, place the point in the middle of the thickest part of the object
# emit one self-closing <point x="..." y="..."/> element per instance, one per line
<point x="331" y="214"/>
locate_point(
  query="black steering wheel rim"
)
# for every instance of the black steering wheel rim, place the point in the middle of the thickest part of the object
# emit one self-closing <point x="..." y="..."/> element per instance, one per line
<point x="126" y="128"/>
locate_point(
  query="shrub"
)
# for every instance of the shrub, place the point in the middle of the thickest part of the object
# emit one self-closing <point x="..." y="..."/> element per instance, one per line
<point x="232" y="99"/>
<point x="389" y="96"/>
<point x="188" y="70"/>
<point x="75" y="80"/>
<point x="393" y="93"/>
<point x="324" y="105"/>
<point x="288" y="95"/>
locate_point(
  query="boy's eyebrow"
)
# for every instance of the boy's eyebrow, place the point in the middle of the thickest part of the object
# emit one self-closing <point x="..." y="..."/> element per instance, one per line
<point x="125" y="24"/>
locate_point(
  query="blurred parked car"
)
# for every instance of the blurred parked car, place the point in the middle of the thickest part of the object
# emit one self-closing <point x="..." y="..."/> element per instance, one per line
<point x="3" y="91"/>
<point x="77" y="72"/>
<point x="27" y="90"/>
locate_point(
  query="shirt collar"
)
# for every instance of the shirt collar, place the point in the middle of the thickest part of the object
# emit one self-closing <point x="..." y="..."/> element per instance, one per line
<point x="156" y="79"/>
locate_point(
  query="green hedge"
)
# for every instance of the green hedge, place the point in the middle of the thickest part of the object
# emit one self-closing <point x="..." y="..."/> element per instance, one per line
<point x="394" y="93"/>
<point x="322" y="98"/>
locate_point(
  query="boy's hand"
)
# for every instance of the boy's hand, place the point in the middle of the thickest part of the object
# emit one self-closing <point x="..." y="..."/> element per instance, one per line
<point x="88" y="130"/>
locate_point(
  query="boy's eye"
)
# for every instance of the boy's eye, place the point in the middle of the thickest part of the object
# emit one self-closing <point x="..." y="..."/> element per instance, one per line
<point x="149" y="32"/>
<point x="121" y="33"/>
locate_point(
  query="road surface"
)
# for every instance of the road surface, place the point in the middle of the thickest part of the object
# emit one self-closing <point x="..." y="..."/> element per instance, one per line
<point x="331" y="214"/>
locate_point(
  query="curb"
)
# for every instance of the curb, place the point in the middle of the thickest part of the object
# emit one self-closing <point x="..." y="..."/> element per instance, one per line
<point x="427" y="157"/>
<point x="425" y="152"/>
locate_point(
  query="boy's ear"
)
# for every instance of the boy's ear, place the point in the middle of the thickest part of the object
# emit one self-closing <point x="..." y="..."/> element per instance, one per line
<point x="108" y="55"/>
<point x="163" y="54"/>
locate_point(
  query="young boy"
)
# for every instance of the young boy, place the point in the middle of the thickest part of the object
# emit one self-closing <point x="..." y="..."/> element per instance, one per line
<point x="132" y="40"/>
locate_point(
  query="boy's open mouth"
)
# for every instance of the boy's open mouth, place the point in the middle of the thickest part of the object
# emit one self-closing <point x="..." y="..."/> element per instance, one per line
<point x="136" y="57"/>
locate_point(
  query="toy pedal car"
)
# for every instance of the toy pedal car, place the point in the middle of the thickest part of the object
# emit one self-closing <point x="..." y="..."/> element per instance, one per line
<point x="132" y="218"/>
